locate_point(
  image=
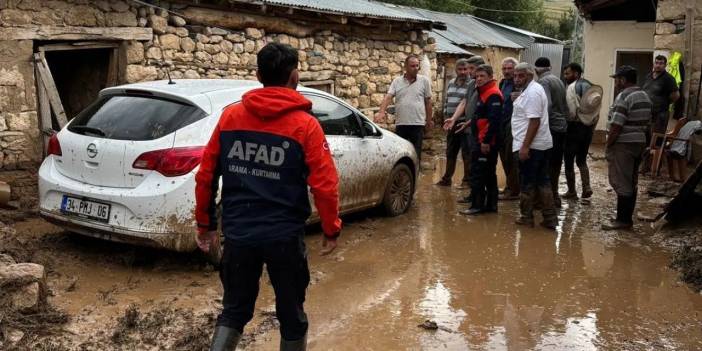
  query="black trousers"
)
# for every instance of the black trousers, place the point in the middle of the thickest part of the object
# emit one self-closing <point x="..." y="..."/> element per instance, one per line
<point x="413" y="134"/>
<point x="556" y="162"/>
<point x="454" y="144"/>
<point x="240" y="273"/>
<point x="483" y="177"/>
<point x="577" y="145"/>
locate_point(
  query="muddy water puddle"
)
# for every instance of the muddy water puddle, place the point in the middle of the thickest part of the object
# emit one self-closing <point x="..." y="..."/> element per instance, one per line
<point x="486" y="283"/>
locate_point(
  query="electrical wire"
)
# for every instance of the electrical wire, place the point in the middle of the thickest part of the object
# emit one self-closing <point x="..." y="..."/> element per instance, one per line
<point x="494" y="10"/>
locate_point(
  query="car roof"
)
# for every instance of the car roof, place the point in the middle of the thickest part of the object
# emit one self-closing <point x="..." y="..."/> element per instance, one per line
<point x="208" y="94"/>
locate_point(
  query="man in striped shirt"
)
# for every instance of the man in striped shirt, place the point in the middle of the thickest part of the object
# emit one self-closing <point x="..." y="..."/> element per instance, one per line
<point x="456" y="91"/>
<point x="626" y="142"/>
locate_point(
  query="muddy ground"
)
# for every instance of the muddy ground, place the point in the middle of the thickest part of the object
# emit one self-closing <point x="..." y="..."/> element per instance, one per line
<point x="485" y="283"/>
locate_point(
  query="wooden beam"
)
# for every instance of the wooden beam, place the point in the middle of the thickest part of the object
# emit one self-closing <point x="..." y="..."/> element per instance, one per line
<point x="76" y="33"/>
<point x="77" y="46"/>
<point x="50" y="87"/>
<point x="600" y="4"/>
<point x="45" y="124"/>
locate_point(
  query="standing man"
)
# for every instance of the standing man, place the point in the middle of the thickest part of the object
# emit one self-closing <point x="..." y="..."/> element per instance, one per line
<point x="413" y="106"/>
<point x="456" y="91"/>
<point x="557" y="112"/>
<point x="264" y="198"/>
<point x="626" y="141"/>
<point x="509" y="164"/>
<point x="464" y="113"/>
<point x="663" y="91"/>
<point x="579" y="135"/>
<point x="485" y="129"/>
<point x="532" y="145"/>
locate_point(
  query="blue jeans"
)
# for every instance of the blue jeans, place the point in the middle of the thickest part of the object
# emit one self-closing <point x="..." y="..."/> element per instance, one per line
<point x="533" y="173"/>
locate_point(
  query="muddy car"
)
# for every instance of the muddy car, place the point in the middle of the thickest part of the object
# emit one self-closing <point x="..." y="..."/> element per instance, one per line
<point x="124" y="168"/>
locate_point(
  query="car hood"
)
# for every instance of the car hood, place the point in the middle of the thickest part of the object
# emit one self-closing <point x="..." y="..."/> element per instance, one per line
<point x="274" y="102"/>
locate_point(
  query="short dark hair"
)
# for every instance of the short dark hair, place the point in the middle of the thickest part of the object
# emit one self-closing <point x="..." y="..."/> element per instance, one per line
<point x="485" y="68"/>
<point x="575" y="67"/>
<point x="476" y="60"/>
<point x="275" y="64"/>
<point x="409" y="57"/>
<point x="662" y="58"/>
<point x="542" y="62"/>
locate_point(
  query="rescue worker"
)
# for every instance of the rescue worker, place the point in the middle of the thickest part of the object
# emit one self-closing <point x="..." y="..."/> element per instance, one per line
<point x="485" y="130"/>
<point x="267" y="149"/>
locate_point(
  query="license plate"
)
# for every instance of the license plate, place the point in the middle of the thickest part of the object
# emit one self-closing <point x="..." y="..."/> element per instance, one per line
<point x="85" y="208"/>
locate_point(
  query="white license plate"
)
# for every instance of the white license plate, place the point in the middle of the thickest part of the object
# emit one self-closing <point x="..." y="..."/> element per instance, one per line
<point x="85" y="208"/>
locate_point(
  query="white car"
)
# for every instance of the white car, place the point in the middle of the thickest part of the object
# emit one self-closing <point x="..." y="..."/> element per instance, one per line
<point x="124" y="168"/>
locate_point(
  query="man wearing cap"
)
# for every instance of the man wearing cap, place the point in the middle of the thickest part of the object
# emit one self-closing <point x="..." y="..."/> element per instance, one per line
<point x="557" y="112"/>
<point x="626" y="140"/>
<point x="582" y="118"/>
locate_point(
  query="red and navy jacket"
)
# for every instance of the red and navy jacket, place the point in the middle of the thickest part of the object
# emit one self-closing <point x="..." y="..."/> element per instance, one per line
<point x="488" y="114"/>
<point x="267" y="149"/>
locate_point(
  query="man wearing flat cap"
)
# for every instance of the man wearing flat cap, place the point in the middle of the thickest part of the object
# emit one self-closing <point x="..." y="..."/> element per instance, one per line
<point x="626" y="140"/>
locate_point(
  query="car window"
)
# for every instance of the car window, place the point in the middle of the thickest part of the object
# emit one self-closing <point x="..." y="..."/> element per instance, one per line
<point x="128" y="117"/>
<point x="370" y="129"/>
<point x="336" y="119"/>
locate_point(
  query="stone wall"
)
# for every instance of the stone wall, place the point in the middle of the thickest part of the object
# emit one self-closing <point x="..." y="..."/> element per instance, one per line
<point x="361" y="66"/>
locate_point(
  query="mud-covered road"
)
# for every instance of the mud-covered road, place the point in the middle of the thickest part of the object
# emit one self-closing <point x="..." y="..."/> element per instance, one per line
<point x="485" y="282"/>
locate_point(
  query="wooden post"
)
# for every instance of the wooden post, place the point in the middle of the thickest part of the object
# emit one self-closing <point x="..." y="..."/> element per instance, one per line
<point x="44" y="111"/>
<point x="50" y="88"/>
<point x="687" y="55"/>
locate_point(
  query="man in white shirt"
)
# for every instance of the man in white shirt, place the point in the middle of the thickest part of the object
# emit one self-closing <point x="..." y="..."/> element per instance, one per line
<point x="413" y="106"/>
<point x="531" y="145"/>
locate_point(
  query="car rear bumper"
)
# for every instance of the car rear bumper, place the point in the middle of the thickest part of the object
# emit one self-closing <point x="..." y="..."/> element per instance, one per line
<point x="183" y="242"/>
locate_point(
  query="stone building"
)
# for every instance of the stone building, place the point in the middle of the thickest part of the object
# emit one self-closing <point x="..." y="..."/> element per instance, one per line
<point x="55" y="56"/>
<point x="633" y="32"/>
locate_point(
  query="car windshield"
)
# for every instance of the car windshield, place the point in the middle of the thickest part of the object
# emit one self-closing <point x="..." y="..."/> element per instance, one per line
<point x="128" y="117"/>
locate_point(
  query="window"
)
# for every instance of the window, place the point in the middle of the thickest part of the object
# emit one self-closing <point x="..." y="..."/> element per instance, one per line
<point x="370" y="129"/>
<point x="335" y="118"/>
<point x="134" y="117"/>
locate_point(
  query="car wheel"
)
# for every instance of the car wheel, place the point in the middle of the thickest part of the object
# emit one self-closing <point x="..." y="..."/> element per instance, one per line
<point x="399" y="191"/>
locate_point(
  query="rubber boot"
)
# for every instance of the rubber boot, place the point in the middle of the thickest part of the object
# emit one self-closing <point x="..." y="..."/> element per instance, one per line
<point x="294" y="345"/>
<point x="585" y="179"/>
<point x="526" y="208"/>
<point x="225" y="339"/>
<point x="548" y="209"/>
<point x="625" y="210"/>
<point x="570" y="180"/>
<point x="450" y="169"/>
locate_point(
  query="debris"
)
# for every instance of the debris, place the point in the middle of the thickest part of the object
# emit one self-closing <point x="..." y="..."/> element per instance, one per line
<point x="429" y="325"/>
<point x="686" y="202"/>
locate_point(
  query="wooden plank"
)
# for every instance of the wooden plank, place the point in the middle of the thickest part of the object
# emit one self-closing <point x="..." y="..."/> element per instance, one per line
<point x="45" y="124"/>
<point x="48" y="82"/>
<point x="112" y="68"/>
<point x="76" y="33"/>
<point x="77" y="46"/>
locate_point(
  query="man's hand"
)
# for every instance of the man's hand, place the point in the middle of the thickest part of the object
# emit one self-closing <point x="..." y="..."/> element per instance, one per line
<point x="523" y="154"/>
<point x="485" y="148"/>
<point x="448" y="124"/>
<point x="430" y="124"/>
<point x="207" y="240"/>
<point x="328" y="245"/>
<point x="380" y="116"/>
<point x="461" y="127"/>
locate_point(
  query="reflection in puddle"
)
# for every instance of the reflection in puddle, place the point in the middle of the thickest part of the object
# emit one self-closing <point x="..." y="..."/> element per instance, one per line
<point x="436" y="306"/>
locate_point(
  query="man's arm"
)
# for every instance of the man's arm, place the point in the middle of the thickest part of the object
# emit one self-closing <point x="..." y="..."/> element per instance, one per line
<point x="323" y="179"/>
<point x="674" y="96"/>
<point x="460" y="110"/>
<point x="428" y="106"/>
<point x="613" y="134"/>
<point x="620" y="114"/>
<point x="206" y="188"/>
<point x="382" y="111"/>
<point x="532" y="129"/>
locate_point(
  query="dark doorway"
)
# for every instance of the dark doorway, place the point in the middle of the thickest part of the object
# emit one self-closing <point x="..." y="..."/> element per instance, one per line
<point x="641" y="60"/>
<point x="79" y="76"/>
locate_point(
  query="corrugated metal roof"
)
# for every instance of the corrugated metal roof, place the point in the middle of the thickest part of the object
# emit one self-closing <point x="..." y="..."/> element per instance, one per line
<point x="462" y="29"/>
<point x="514" y="32"/>
<point x="355" y="8"/>
<point x="445" y="46"/>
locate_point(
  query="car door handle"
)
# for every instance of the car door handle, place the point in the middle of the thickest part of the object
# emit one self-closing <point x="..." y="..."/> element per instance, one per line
<point x="337" y="154"/>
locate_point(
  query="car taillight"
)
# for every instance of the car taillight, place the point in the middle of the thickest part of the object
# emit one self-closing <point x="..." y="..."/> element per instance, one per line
<point x="170" y="162"/>
<point x="54" y="147"/>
